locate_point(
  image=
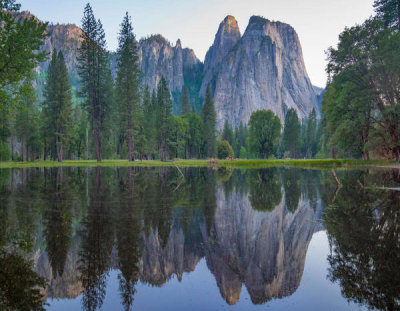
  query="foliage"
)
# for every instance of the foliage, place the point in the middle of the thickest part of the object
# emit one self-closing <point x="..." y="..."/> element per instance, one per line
<point x="227" y="133"/>
<point x="389" y="12"/>
<point x="209" y="123"/>
<point x="164" y="120"/>
<point x="185" y="106"/>
<point x="127" y="86"/>
<point x="224" y="150"/>
<point x="361" y="104"/>
<point x="95" y="75"/>
<point x="58" y="105"/>
<point x="291" y="133"/>
<point x="20" y="285"/>
<point x="20" y="41"/>
<point x="264" y="129"/>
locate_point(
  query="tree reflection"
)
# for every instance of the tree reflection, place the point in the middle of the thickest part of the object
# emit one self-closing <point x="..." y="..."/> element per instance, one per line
<point x="128" y="229"/>
<point x="265" y="189"/>
<point x="364" y="225"/>
<point x="97" y="240"/>
<point x="57" y="221"/>
<point x="291" y="185"/>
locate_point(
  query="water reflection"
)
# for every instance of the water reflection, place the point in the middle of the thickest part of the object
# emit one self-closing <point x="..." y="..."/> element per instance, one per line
<point x="252" y="228"/>
<point x="364" y="226"/>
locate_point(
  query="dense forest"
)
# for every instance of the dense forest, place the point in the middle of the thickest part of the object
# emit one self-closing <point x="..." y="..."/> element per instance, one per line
<point x="120" y="118"/>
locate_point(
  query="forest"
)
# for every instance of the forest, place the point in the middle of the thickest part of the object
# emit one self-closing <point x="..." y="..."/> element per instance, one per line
<point x="120" y="118"/>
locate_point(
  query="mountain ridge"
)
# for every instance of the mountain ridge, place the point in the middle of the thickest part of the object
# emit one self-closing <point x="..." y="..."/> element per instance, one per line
<point x="263" y="68"/>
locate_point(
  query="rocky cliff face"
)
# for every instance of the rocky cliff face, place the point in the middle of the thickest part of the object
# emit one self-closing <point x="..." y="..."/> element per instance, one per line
<point x="226" y="38"/>
<point x="158" y="58"/>
<point x="264" y="69"/>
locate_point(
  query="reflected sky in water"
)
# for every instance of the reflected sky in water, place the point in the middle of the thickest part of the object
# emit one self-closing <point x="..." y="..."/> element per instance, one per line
<point x="146" y="239"/>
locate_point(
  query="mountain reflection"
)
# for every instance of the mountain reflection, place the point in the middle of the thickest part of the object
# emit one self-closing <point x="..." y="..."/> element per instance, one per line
<point x="252" y="227"/>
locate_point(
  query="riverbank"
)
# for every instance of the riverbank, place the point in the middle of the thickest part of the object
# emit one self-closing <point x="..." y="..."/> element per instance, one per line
<point x="239" y="163"/>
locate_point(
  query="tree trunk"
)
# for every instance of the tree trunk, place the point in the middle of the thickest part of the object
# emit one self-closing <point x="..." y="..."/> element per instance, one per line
<point x="333" y="153"/>
<point x="59" y="147"/>
<point x="130" y="145"/>
<point x="97" y="141"/>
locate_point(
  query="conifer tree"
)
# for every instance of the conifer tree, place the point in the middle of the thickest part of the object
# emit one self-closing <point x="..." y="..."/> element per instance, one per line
<point x="164" y="119"/>
<point x="58" y="104"/>
<point x="95" y="75"/>
<point x="185" y="107"/>
<point x="291" y="133"/>
<point x="209" y="121"/>
<point x="227" y="133"/>
<point x="149" y="127"/>
<point x="27" y="123"/>
<point x="310" y="134"/>
<point x="128" y="80"/>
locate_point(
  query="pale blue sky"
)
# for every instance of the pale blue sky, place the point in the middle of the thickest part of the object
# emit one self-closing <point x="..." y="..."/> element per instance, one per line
<point x="317" y="22"/>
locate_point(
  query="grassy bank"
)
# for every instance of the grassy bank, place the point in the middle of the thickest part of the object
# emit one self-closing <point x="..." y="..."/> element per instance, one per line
<point x="318" y="164"/>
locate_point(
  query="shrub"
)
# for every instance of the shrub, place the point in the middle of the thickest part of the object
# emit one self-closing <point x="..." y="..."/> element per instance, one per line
<point x="224" y="150"/>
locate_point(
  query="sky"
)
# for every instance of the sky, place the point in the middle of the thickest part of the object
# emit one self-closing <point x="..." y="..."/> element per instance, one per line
<point x="317" y="22"/>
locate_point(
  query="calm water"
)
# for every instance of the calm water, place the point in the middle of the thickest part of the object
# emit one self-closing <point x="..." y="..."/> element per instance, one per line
<point x="147" y="239"/>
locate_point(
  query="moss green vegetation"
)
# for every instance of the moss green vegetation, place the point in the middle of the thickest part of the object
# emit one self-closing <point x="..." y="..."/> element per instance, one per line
<point x="240" y="163"/>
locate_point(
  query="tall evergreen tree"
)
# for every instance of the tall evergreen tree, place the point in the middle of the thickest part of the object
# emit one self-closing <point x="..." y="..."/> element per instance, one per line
<point x="95" y="75"/>
<point x="149" y="123"/>
<point x="58" y="103"/>
<point x="27" y="123"/>
<point x="128" y="80"/>
<point x="291" y="133"/>
<point x="209" y="121"/>
<point x="227" y="133"/>
<point x="310" y="137"/>
<point x="164" y="119"/>
<point x="185" y="107"/>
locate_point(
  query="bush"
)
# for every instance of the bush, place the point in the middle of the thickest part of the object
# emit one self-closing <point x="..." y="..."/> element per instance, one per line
<point x="224" y="150"/>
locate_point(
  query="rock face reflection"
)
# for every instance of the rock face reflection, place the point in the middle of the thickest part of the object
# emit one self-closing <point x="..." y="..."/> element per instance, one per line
<point x="264" y="251"/>
<point x="151" y="226"/>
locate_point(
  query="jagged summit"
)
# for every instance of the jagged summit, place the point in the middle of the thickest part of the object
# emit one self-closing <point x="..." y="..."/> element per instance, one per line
<point x="226" y="38"/>
<point x="263" y="69"/>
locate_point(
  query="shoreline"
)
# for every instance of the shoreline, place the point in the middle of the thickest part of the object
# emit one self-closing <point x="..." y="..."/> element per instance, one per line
<point x="239" y="163"/>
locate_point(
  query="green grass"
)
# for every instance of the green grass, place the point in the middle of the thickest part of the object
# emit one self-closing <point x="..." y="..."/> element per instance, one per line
<point x="317" y="164"/>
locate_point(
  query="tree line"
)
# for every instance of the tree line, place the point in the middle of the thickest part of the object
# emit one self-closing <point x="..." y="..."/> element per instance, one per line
<point x="120" y="118"/>
<point x="117" y="118"/>
<point x="361" y="107"/>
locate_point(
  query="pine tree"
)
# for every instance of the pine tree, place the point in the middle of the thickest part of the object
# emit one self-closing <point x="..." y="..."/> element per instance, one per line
<point x="185" y="107"/>
<point x="164" y="119"/>
<point x="227" y="133"/>
<point x="27" y="123"/>
<point x="128" y="80"/>
<point x="58" y="104"/>
<point x="209" y="121"/>
<point x="149" y="124"/>
<point x="389" y="11"/>
<point x="95" y="75"/>
<point x="310" y="134"/>
<point x="291" y="133"/>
